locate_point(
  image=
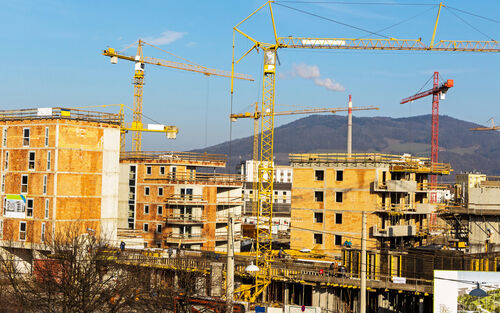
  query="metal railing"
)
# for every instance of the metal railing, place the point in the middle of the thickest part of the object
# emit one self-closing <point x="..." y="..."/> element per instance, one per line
<point x="60" y="113"/>
<point x="186" y="237"/>
<point x="215" y="178"/>
<point x="175" y="156"/>
<point x="185" y="198"/>
<point x="184" y="218"/>
<point x="397" y="162"/>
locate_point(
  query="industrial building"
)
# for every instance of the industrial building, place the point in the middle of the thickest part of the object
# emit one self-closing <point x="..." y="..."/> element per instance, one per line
<point x="176" y="199"/>
<point x="330" y="192"/>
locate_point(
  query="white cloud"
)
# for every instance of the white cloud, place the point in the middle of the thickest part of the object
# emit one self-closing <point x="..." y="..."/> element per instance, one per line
<point x="305" y="71"/>
<point x="312" y="72"/>
<point x="165" y="38"/>
<point x="191" y="44"/>
<point x="329" y="84"/>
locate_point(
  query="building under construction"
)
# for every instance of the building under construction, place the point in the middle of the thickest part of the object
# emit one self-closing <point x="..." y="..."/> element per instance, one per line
<point x="330" y="191"/>
<point x="177" y="200"/>
<point x="62" y="168"/>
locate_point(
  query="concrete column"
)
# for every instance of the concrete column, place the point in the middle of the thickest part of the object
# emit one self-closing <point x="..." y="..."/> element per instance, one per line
<point x="216" y="279"/>
<point x="421" y="305"/>
<point x="316" y="292"/>
<point x="363" y="266"/>
<point x="286" y="295"/>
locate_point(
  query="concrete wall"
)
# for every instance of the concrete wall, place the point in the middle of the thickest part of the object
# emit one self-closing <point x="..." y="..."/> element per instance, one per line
<point x="484" y="198"/>
<point x="110" y="184"/>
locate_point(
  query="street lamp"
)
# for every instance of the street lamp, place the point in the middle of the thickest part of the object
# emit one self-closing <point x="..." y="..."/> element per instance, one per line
<point x="252" y="268"/>
<point x="478" y="292"/>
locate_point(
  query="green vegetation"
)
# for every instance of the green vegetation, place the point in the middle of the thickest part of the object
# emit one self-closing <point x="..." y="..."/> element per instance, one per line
<point x="481" y="305"/>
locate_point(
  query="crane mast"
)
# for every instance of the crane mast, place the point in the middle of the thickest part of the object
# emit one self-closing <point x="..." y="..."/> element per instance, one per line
<point x="436" y="91"/>
<point x="265" y="210"/>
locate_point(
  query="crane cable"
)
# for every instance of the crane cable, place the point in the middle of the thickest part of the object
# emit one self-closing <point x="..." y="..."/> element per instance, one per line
<point x="484" y="34"/>
<point x="331" y="20"/>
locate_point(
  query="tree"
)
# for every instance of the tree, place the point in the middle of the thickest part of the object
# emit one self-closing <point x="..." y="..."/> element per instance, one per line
<point x="82" y="273"/>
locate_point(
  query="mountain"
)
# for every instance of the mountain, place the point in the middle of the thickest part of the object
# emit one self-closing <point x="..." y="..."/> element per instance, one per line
<point x="466" y="150"/>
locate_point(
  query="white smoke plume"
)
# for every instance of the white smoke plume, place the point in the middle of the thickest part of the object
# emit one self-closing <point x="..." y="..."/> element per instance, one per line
<point x="312" y="72"/>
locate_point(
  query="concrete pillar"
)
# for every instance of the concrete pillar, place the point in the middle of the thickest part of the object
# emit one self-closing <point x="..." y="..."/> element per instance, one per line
<point x="329" y="298"/>
<point x="323" y="303"/>
<point x="216" y="279"/>
<point x="316" y="292"/>
<point x="421" y="305"/>
<point x="286" y="295"/>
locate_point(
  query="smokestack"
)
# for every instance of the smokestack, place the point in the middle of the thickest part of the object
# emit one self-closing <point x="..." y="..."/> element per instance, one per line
<point x="349" y="128"/>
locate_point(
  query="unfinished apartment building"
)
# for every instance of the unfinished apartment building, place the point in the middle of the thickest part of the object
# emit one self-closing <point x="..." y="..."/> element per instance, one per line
<point x="59" y="169"/>
<point x="282" y="200"/>
<point x="330" y="192"/>
<point x="176" y="199"/>
<point x="474" y="215"/>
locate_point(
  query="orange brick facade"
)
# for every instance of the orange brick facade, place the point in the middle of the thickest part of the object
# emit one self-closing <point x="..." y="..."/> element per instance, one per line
<point x="172" y="204"/>
<point x="330" y="192"/>
<point x="54" y="168"/>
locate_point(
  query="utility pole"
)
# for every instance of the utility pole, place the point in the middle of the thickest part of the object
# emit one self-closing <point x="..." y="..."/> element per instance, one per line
<point x="362" y="308"/>
<point x="230" y="263"/>
<point x="349" y="128"/>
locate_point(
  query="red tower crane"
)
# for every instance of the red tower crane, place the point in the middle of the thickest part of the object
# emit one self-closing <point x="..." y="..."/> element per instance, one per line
<point x="437" y="92"/>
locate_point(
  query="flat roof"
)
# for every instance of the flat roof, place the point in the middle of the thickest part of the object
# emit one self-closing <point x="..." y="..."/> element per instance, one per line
<point x="59" y="113"/>
<point x="175" y="157"/>
<point x="397" y="163"/>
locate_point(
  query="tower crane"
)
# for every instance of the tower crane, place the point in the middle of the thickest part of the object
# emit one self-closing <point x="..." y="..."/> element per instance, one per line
<point x="437" y="91"/>
<point x="256" y="115"/>
<point x="263" y="255"/>
<point x="492" y="127"/>
<point x="138" y="81"/>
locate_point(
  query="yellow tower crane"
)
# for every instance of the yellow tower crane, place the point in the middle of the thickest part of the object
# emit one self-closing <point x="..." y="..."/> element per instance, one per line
<point x="492" y="127"/>
<point x="256" y="115"/>
<point x="138" y="81"/>
<point x="264" y="256"/>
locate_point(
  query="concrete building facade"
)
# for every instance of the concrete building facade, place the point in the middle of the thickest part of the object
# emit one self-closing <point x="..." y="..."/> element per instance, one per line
<point x="59" y="169"/>
<point x="175" y="199"/>
<point x="474" y="215"/>
<point x="330" y="192"/>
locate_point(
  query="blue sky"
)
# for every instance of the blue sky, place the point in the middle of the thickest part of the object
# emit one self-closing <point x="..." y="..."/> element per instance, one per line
<point x="51" y="56"/>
